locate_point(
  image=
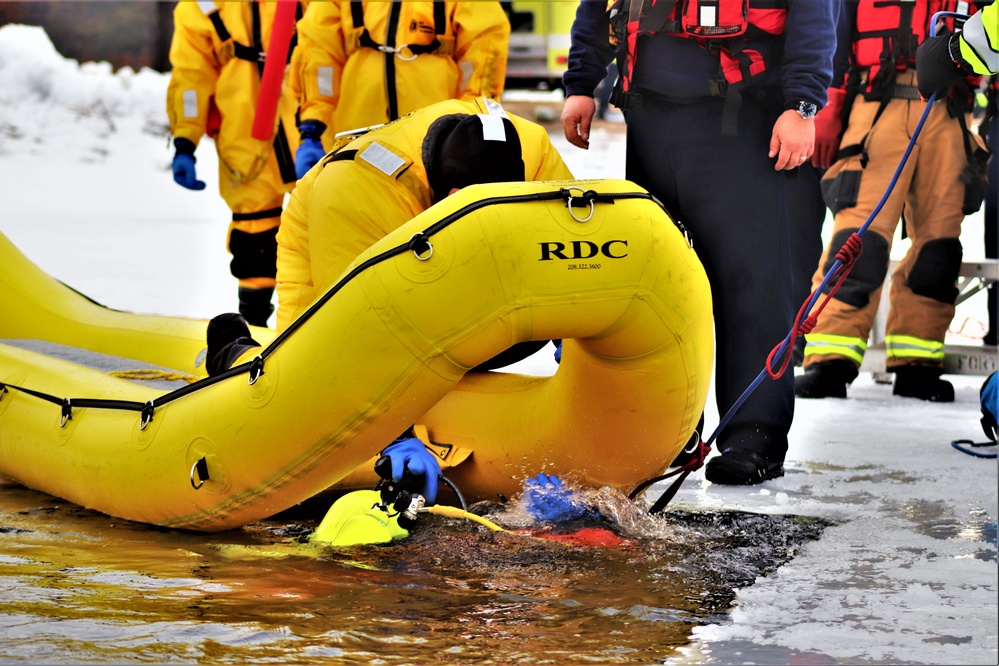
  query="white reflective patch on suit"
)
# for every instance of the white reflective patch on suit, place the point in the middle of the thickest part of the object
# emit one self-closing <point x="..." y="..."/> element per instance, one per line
<point x="324" y="79"/>
<point x="381" y="158"/>
<point x="492" y="128"/>
<point x="190" y="98"/>
<point x="467" y="69"/>
<point x="708" y="16"/>
<point x="493" y="108"/>
<point x="962" y="7"/>
<point x="206" y="6"/>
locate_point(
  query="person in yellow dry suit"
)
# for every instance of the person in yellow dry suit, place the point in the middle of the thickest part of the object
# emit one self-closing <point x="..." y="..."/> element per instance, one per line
<point x="364" y="63"/>
<point x="373" y="184"/>
<point x="217" y="61"/>
<point x="370" y="186"/>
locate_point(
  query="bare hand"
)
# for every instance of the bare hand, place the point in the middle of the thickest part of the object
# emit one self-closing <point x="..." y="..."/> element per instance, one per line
<point x="793" y="140"/>
<point x="577" y="114"/>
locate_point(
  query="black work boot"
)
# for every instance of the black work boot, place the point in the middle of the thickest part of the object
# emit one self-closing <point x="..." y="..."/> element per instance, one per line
<point x="742" y="467"/>
<point x="825" y="379"/>
<point x="923" y="382"/>
<point x="255" y="305"/>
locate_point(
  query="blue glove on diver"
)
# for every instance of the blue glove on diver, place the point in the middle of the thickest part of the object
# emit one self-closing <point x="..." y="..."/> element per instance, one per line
<point x="183" y="165"/>
<point x="547" y="500"/>
<point x="558" y="351"/>
<point x="990" y="406"/>
<point x="310" y="148"/>
<point x="412" y="466"/>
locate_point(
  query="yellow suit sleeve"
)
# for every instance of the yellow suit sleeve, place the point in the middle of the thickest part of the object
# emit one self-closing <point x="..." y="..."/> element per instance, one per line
<point x="194" y="72"/>
<point x="319" y="61"/>
<point x="482" y="39"/>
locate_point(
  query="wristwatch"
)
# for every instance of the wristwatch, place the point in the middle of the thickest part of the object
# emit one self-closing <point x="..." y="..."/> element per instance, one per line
<point x="806" y="110"/>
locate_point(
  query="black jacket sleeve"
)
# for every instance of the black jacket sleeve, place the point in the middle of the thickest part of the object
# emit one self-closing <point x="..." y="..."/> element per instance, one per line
<point x="590" y="50"/>
<point x="809" y="45"/>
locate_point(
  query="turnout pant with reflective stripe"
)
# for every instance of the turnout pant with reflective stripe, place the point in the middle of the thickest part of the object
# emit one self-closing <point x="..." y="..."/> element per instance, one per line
<point x="930" y="194"/>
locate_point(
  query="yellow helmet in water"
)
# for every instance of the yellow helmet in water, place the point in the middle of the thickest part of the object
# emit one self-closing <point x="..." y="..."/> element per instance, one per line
<point x="356" y="519"/>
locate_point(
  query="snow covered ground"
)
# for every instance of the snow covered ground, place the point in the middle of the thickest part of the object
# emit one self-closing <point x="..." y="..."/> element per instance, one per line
<point x="907" y="575"/>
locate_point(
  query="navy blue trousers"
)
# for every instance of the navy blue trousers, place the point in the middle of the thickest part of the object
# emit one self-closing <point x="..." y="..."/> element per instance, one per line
<point x="725" y="190"/>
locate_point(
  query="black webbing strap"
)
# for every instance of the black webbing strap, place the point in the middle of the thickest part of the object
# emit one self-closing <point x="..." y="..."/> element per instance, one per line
<point x="357" y="13"/>
<point x="282" y="151"/>
<point x="220" y="28"/>
<point x="440" y="27"/>
<point x="241" y="51"/>
<point x="68" y="404"/>
<point x="340" y="156"/>
<point x="860" y="148"/>
<point x="259" y="215"/>
<point x="258" y="42"/>
<point x="907" y="40"/>
<point x="978" y="158"/>
<point x="656" y="18"/>
<point x="255" y="367"/>
<point x="440" y="17"/>
<point x="390" y="83"/>
<point x="253" y="53"/>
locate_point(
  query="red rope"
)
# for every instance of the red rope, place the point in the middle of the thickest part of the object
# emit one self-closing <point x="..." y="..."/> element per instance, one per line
<point x="847" y="256"/>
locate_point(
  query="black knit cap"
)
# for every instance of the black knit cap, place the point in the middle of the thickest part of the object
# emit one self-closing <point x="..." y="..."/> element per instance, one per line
<point x="468" y="150"/>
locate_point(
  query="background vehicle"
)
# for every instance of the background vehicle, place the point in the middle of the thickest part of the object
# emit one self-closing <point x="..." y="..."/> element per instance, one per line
<point x="539" y="42"/>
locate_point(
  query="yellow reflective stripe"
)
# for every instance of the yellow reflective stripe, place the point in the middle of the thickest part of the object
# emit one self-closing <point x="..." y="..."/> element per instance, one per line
<point x="980" y="41"/>
<point x="818" y="344"/>
<point x="907" y="346"/>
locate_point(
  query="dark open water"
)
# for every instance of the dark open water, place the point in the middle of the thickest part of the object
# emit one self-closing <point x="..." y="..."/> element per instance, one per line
<point x="80" y="587"/>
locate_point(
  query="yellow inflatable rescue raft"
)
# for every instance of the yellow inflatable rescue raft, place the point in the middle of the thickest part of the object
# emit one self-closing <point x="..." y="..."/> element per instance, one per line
<point x="598" y="264"/>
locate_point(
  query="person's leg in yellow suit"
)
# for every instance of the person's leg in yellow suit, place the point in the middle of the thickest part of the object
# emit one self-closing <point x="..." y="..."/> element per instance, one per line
<point x="253" y="245"/>
<point x="256" y="206"/>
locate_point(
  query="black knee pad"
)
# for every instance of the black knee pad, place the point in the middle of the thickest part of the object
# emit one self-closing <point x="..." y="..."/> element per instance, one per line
<point x="935" y="270"/>
<point x="253" y="255"/>
<point x="868" y="273"/>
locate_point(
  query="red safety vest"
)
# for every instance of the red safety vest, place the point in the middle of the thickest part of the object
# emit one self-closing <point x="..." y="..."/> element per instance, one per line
<point x="887" y="32"/>
<point x="720" y="26"/>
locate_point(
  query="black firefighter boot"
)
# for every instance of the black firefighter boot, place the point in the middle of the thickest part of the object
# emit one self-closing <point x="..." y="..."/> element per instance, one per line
<point x="825" y="379"/>
<point x="255" y="305"/>
<point x="923" y="382"/>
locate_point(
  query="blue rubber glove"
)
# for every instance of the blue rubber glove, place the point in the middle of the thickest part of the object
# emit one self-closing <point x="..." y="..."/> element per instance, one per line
<point x="183" y="166"/>
<point x="410" y="455"/>
<point x="547" y="500"/>
<point x="990" y="406"/>
<point x="310" y="149"/>
<point x="558" y="351"/>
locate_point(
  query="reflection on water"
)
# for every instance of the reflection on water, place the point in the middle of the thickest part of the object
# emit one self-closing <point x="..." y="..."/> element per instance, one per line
<point x="78" y="587"/>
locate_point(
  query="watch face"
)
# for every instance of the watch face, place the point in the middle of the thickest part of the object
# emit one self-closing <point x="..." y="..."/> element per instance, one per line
<point x="807" y="109"/>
